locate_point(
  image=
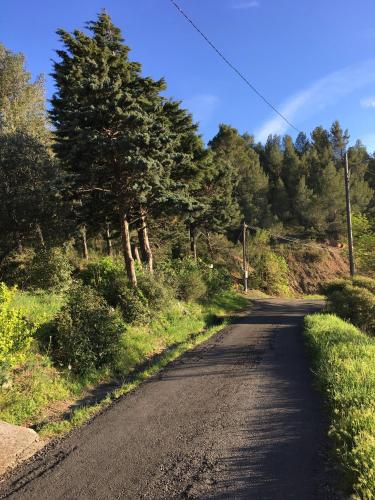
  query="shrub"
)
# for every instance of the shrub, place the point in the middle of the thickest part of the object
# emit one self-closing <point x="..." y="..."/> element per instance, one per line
<point x="132" y="303"/>
<point x="364" y="242"/>
<point x="190" y="284"/>
<point x="15" y="268"/>
<point x="354" y="301"/>
<point x="86" y="332"/>
<point x="15" y="332"/>
<point x="334" y="286"/>
<point x="50" y="270"/>
<point x="108" y="278"/>
<point x="340" y="284"/>
<point x="364" y="282"/>
<point x="356" y="305"/>
<point x="270" y="273"/>
<point x="155" y="290"/>
<point x="217" y="280"/>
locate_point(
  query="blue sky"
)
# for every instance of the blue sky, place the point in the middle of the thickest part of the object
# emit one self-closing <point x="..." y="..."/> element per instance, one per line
<point x="314" y="59"/>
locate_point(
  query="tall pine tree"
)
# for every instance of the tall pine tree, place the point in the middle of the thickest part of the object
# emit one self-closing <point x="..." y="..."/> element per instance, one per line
<point x="110" y="131"/>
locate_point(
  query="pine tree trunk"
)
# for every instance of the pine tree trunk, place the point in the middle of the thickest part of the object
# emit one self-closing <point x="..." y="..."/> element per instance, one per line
<point x="108" y="241"/>
<point x="193" y="243"/>
<point x="136" y="255"/>
<point x="127" y="250"/>
<point x="19" y="242"/>
<point x="145" y="242"/>
<point x="84" y="243"/>
<point x="40" y="235"/>
<point x="143" y="255"/>
<point x="209" y="246"/>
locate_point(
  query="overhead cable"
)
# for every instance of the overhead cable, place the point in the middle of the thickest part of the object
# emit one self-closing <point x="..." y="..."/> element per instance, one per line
<point x="233" y="67"/>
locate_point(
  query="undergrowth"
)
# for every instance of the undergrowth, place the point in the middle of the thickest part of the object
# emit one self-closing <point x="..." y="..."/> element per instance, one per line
<point x="38" y="384"/>
<point x="344" y="366"/>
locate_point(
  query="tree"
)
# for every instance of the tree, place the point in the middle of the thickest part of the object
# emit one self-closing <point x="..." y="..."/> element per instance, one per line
<point x="361" y="191"/>
<point x="182" y="197"/>
<point x="249" y="180"/>
<point x="329" y="207"/>
<point x="291" y="174"/>
<point x="28" y="177"/>
<point x="303" y="202"/>
<point x="339" y="140"/>
<point x="22" y="105"/>
<point x="302" y="143"/>
<point x="318" y="157"/>
<point x="111" y="134"/>
<point x="209" y="180"/>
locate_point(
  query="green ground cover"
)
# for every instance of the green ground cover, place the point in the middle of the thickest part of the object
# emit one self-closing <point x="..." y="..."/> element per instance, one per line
<point x="38" y="383"/>
<point x="344" y="366"/>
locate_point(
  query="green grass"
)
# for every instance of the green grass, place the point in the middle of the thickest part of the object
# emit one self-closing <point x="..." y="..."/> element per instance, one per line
<point x="344" y="366"/>
<point x="38" y="307"/>
<point x="37" y="384"/>
<point x="314" y="296"/>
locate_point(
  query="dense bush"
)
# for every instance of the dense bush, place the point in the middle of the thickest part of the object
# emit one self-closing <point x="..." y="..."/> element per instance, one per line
<point x="364" y="282"/>
<point x="356" y="305"/>
<point x="155" y="290"/>
<point x="334" y="286"/>
<point x="217" y="280"/>
<point x="344" y="365"/>
<point x="86" y="332"/>
<point x="354" y="301"/>
<point x="269" y="270"/>
<point x="15" y="268"/>
<point x="193" y="280"/>
<point x="50" y="270"/>
<point x="191" y="285"/>
<point x="107" y="277"/>
<point x="270" y="273"/>
<point x="15" y="332"/>
<point x="364" y="242"/>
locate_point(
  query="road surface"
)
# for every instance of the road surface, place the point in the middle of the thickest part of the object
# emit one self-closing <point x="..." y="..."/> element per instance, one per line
<point x="234" y="418"/>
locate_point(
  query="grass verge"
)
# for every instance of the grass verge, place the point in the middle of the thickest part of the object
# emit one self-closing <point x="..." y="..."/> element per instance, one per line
<point x="38" y="385"/>
<point x="344" y="365"/>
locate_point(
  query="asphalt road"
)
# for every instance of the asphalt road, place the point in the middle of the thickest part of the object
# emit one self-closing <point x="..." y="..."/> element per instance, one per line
<point x="235" y="418"/>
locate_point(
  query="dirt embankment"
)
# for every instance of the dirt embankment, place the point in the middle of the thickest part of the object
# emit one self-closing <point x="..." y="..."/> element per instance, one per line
<point x="310" y="265"/>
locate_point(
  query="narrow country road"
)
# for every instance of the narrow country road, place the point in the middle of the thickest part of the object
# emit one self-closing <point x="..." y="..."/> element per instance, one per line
<point x="235" y="418"/>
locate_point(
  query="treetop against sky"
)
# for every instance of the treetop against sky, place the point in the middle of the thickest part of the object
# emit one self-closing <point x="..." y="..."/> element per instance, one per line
<point x="313" y="60"/>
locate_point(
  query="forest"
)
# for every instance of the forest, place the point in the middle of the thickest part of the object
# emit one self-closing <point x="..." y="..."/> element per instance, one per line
<point x="116" y="160"/>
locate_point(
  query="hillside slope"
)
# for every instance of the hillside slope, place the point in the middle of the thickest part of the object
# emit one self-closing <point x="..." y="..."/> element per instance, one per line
<point x="310" y="265"/>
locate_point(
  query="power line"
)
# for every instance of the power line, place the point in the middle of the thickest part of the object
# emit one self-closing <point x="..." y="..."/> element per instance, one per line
<point x="281" y="237"/>
<point x="233" y="67"/>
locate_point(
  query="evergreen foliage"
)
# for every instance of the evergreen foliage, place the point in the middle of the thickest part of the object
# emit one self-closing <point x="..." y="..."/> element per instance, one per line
<point x="129" y="165"/>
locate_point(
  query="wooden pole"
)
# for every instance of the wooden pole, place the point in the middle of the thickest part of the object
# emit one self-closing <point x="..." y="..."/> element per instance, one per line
<point x="349" y="217"/>
<point x="244" y="263"/>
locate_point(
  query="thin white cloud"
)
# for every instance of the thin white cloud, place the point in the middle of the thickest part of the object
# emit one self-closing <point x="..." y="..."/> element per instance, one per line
<point x="368" y="102"/>
<point x="246" y="5"/>
<point x="202" y="107"/>
<point x="321" y="94"/>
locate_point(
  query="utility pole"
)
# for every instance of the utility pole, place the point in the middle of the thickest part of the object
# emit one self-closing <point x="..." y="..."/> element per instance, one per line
<point x="244" y="262"/>
<point x="349" y="217"/>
